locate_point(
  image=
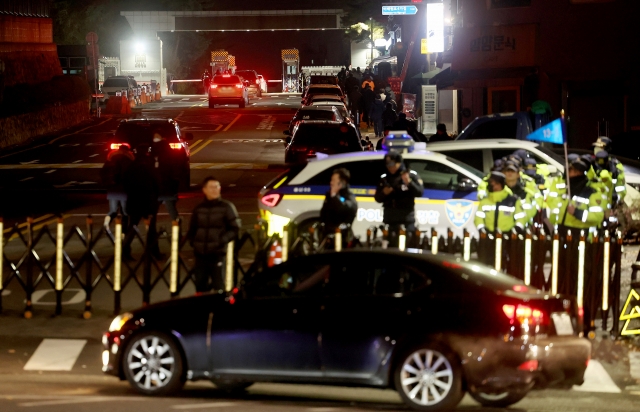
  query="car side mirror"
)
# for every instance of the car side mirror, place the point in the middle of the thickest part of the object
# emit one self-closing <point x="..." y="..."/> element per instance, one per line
<point x="466" y="185"/>
<point x="188" y="136"/>
<point x="287" y="140"/>
<point x="286" y="133"/>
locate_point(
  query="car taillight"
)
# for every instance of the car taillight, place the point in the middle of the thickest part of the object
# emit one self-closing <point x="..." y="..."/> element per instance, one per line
<point x="175" y="145"/>
<point x="239" y="85"/>
<point x="116" y="146"/>
<point x="530" y="366"/>
<point x="523" y="314"/>
<point x="311" y="153"/>
<point x="271" y="200"/>
<point x="299" y="148"/>
<point x="214" y="86"/>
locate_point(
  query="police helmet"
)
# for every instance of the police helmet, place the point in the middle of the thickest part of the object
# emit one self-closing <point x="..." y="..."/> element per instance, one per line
<point x="515" y="160"/>
<point x="587" y="159"/>
<point x="603" y="142"/>
<point x="573" y="157"/>
<point x="530" y="166"/>
<point x="579" y="165"/>
<point x="521" y="154"/>
<point x="602" y="158"/>
<point x="498" y="177"/>
<point x="511" y="166"/>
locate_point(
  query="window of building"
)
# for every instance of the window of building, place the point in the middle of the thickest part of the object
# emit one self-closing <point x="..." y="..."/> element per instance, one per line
<point x="77" y="62"/>
<point x="503" y="99"/>
<point x="64" y="62"/>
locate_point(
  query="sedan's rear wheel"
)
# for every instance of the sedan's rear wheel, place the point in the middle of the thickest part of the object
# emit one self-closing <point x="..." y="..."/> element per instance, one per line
<point x="498" y="400"/>
<point x="152" y="364"/>
<point x="212" y="105"/>
<point x="429" y="378"/>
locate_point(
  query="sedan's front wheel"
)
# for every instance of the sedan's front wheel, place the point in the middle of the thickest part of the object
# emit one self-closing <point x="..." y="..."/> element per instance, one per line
<point x="498" y="400"/>
<point x="429" y="378"/>
<point x="152" y="364"/>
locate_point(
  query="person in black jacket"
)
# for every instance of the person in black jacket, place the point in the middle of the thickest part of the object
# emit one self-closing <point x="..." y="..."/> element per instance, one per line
<point x="113" y="174"/>
<point x="397" y="191"/>
<point x="167" y="173"/>
<point x="214" y="223"/>
<point x="340" y="206"/>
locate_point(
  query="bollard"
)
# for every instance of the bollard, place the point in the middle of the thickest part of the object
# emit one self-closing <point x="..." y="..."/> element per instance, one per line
<point x="450" y="243"/>
<point x="554" y="262"/>
<point x="88" y="285"/>
<point x="369" y="238"/>
<point x="402" y="239"/>
<point x="117" y="265"/>
<point x="148" y="261"/>
<point x="466" y="254"/>
<point x="228" y="281"/>
<point x="59" y="284"/>
<point x="285" y="244"/>
<point x="1" y="262"/>
<point x="498" y="255"/>
<point x="434" y="242"/>
<point x="482" y="247"/>
<point x="605" y="277"/>
<point x="527" y="259"/>
<point x="175" y="240"/>
<point x="338" y="240"/>
<point x="581" y="255"/>
<point x="28" y="311"/>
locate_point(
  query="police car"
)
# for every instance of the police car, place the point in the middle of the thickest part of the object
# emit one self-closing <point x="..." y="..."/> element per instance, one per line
<point x="449" y="199"/>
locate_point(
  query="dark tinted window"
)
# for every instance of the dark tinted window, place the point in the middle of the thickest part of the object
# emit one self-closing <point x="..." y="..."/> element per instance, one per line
<point x="496" y="129"/>
<point x="226" y="80"/>
<point x="325" y="90"/>
<point x="116" y="83"/>
<point x="314" y="115"/>
<point x="374" y="276"/>
<point x="336" y="138"/>
<point x="435" y="175"/>
<point x="142" y="133"/>
<point x="471" y="157"/>
<point x="363" y="173"/>
<point x="302" y="277"/>
<point x="247" y="74"/>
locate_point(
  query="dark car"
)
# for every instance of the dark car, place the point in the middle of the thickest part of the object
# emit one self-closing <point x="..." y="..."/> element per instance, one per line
<point x="327" y="89"/>
<point x="431" y="327"/>
<point x="306" y="113"/>
<point x="139" y="132"/>
<point x="317" y="136"/>
<point x="254" y="82"/>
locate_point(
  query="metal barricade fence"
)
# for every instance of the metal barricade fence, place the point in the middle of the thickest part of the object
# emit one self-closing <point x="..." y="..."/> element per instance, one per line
<point x="91" y="256"/>
<point x="583" y="265"/>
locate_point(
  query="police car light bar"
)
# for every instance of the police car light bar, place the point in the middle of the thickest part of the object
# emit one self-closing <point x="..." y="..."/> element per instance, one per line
<point x="398" y="140"/>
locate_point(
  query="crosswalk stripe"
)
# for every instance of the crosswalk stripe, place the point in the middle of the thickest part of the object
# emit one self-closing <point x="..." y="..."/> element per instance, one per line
<point x="55" y="355"/>
<point x="596" y="379"/>
<point x="204" y="405"/>
<point x="64" y="401"/>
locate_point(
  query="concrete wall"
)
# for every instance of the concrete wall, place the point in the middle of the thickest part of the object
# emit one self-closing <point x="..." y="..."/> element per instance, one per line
<point x="18" y="129"/>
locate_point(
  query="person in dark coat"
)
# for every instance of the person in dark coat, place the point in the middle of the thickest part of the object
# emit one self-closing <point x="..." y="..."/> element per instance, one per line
<point x="167" y="173"/>
<point x="389" y="117"/>
<point x="351" y="82"/>
<point x="397" y="191"/>
<point x="375" y="115"/>
<point x="340" y="204"/>
<point x="412" y="129"/>
<point x="368" y="96"/>
<point x="402" y="123"/>
<point x="355" y="104"/>
<point x="441" y="134"/>
<point x="214" y="223"/>
<point x="113" y="174"/>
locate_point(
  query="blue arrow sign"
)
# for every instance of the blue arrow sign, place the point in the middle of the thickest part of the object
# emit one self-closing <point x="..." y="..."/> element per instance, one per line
<point x="399" y="10"/>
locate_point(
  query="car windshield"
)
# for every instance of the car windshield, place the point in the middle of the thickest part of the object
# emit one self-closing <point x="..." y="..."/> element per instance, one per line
<point x="141" y="133"/>
<point x="247" y="75"/>
<point x="116" y="83"/>
<point x="551" y="154"/>
<point x="466" y="167"/>
<point x="325" y="90"/>
<point x="314" y="115"/>
<point x="341" y="109"/>
<point x="339" y="138"/>
<point x="226" y="80"/>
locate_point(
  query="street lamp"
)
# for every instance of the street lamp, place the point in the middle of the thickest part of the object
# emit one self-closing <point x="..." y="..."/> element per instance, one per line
<point x="371" y="36"/>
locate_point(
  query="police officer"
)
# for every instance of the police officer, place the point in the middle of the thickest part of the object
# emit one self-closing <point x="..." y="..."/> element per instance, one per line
<point x="499" y="211"/>
<point x="531" y="170"/>
<point x="615" y="168"/>
<point x="519" y="188"/>
<point x="397" y="191"/>
<point x="340" y="206"/>
<point x="498" y="165"/>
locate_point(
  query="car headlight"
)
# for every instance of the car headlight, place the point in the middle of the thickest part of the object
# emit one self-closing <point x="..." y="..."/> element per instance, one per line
<point x="119" y="322"/>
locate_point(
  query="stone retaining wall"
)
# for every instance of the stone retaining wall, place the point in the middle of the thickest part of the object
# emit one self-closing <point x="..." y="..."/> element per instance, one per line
<point x="18" y="129"/>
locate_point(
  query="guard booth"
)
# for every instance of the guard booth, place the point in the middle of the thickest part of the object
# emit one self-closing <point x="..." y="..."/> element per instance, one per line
<point x="220" y="59"/>
<point x="291" y="71"/>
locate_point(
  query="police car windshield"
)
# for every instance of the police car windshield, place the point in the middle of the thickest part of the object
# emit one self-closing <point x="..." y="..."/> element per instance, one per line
<point x="551" y="154"/>
<point x="226" y="80"/>
<point x="314" y="115"/>
<point x="116" y="83"/>
<point x="466" y="167"/>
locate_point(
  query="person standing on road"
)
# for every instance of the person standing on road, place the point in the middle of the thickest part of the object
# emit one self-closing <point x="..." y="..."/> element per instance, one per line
<point x="167" y="174"/>
<point x="368" y="81"/>
<point x="441" y="134"/>
<point x="340" y="206"/>
<point x="389" y="117"/>
<point x="368" y="96"/>
<point x="397" y="191"/>
<point x="113" y="175"/>
<point x="355" y="104"/>
<point x="214" y="223"/>
<point x="375" y="115"/>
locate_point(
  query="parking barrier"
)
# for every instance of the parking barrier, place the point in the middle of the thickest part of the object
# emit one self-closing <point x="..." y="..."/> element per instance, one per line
<point x="229" y="275"/>
<point x="434" y="242"/>
<point x="402" y="238"/>
<point x="175" y="242"/>
<point x="338" y="239"/>
<point x="59" y="254"/>
<point x="466" y="255"/>
<point x="527" y="258"/>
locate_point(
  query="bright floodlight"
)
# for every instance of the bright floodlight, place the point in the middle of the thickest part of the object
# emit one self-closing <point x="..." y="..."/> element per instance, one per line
<point x="139" y="47"/>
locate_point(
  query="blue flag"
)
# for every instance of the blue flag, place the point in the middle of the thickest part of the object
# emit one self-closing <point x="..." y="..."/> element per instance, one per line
<point x="551" y="133"/>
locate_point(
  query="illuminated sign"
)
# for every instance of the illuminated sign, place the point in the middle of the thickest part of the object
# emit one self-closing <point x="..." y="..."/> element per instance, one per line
<point x="370" y="215"/>
<point x="399" y="10"/>
<point x="424" y="217"/>
<point x="435" y="27"/>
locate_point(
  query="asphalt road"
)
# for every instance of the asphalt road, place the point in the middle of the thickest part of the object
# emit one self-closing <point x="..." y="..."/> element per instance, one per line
<point x="59" y="174"/>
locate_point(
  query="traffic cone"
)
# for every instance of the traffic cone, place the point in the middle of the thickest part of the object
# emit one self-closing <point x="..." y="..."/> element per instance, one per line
<point x="275" y="254"/>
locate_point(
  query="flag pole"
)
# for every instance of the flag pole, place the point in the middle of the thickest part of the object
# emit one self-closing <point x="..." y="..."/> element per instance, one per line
<point x="566" y="157"/>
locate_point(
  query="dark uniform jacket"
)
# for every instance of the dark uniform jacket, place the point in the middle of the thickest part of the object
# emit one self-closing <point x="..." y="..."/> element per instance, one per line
<point x="338" y="209"/>
<point x="214" y="223"/>
<point x="113" y="171"/>
<point x="400" y="203"/>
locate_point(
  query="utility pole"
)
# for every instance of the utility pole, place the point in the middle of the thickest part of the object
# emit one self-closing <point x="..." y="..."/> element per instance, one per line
<point x="371" y="37"/>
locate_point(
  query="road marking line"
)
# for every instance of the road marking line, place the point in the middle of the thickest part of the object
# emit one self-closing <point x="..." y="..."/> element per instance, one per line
<point x="81" y="130"/>
<point x="63" y="402"/>
<point x="77" y="161"/>
<point x="204" y="405"/>
<point x="26" y="178"/>
<point x="192" y="146"/>
<point x="634" y="364"/>
<point x="38" y="219"/>
<point x="596" y="379"/>
<point x="55" y="355"/>
<point x="94" y="155"/>
<point x="202" y="146"/>
<point x="50" y="171"/>
<point x="232" y="123"/>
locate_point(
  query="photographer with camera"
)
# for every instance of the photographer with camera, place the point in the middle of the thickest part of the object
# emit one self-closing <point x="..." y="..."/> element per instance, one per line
<point x="397" y="191"/>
